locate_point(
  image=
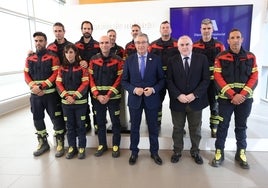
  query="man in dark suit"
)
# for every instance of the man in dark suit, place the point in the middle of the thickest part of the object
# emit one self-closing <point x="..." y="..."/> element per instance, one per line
<point x="187" y="86"/>
<point x="143" y="78"/>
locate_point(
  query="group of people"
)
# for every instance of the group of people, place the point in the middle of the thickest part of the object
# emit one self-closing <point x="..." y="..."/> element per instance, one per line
<point x="63" y="75"/>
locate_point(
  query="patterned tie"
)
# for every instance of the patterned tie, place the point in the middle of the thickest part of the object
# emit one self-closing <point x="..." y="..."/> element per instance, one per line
<point x="142" y="66"/>
<point x="186" y="65"/>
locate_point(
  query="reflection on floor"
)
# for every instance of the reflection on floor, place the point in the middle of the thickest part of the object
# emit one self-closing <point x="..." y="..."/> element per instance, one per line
<point x="18" y="167"/>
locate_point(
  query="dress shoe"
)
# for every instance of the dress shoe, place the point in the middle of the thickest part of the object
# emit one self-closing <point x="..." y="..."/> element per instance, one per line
<point x="197" y="158"/>
<point x="156" y="159"/>
<point x="175" y="157"/>
<point x="133" y="159"/>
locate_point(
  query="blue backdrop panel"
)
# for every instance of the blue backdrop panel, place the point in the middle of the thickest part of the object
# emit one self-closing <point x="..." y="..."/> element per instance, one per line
<point x="187" y="20"/>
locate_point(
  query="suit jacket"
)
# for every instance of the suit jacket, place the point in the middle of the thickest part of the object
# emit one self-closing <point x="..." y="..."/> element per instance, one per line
<point x="153" y="77"/>
<point x="197" y="81"/>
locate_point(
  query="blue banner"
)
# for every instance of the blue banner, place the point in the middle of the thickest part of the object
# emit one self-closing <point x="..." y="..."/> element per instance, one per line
<point x="187" y="21"/>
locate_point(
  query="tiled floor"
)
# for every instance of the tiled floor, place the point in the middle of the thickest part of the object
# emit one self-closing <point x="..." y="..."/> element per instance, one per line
<point x="18" y="167"/>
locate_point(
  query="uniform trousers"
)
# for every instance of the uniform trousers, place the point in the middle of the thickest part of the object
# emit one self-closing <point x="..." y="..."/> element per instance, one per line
<point x="241" y="114"/>
<point x="113" y="106"/>
<point x="75" y="118"/>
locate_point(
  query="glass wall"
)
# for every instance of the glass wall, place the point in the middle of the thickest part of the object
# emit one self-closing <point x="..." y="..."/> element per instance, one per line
<point x="21" y="21"/>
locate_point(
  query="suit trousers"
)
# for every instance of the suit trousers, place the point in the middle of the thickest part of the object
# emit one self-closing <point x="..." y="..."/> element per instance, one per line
<point x="151" y="120"/>
<point x="194" y="119"/>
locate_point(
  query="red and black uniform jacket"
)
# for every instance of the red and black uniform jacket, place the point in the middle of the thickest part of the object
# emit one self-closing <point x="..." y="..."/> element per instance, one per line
<point x="165" y="49"/>
<point x="130" y="49"/>
<point x="235" y="73"/>
<point x="105" y="75"/>
<point x="87" y="50"/>
<point x="118" y="50"/>
<point x="57" y="48"/>
<point x="73" y="80"/>
<point x="41" y="69"/>
<point x="210" y="49"/>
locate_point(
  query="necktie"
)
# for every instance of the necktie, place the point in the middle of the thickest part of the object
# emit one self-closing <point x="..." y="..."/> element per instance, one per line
<point x="142" y="70"/>
<point x="186" y="65"/>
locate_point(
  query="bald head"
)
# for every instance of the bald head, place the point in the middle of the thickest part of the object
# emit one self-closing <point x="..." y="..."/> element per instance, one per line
<point x="105" y="45"/>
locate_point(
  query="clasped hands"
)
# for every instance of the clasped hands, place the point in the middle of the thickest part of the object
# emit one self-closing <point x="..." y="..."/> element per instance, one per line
<point x="103" y="99"/>
<point x="238" y="99"/>
<point x="37" y="91"/>
<point x="146" y="91"/>
<point x="186" y="98"/>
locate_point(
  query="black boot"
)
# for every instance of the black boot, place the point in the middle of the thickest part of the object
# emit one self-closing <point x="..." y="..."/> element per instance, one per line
<point x="60" y="145"/>
<point x="42" y="146"/>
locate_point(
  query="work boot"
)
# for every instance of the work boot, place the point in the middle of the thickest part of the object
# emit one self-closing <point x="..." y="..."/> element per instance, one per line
<point x="59" y="145"/>
<point x="213" y="132"/>
<point x="81" y="153"/>
<point x="241" y="158"/>
<point x="42" y="146"/>
<point x="72" y="151"/>
<point x="218" y="158"/>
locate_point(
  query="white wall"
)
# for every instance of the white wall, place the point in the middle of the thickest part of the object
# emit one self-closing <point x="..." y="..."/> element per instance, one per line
<point x="149" y="15"/>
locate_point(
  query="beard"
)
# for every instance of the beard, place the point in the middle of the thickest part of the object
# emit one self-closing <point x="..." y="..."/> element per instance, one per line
<point x="86" y="35"/>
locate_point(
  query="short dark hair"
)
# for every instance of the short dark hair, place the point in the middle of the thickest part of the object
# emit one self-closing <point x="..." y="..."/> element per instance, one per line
<point x="86" y="22"/>
<point x="233" y="30"/>
<point x="39" y="33"/>
<point x="60" y="25"/>
<point x="111" y="30"/>
<point x="164" y="22"/>
<point x="136" y="25"/>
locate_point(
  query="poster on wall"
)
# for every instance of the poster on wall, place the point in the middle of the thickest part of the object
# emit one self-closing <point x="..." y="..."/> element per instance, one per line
<point x="187" y="20"/>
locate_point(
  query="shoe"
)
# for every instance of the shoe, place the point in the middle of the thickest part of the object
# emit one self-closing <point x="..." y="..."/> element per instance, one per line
<point x="218" y="158"/>
<point x="241" y="158"/>
<point x="81" y="153"/>
<point x="60" y="146"/>
<point x="213" y="133"/>
<point x="156" y="159"/>
<point x="175" y="157"/>
<point x="72" y="151"/>
<point x="42" y="147"/>
<point x="101" y="149"/>
<point x="116" y="151"/>
<point x="132" y="160"/>
<point x="197" y="158"/>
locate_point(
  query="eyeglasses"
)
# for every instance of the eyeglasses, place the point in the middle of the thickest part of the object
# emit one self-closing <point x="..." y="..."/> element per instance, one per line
<point x="141" y="42"/>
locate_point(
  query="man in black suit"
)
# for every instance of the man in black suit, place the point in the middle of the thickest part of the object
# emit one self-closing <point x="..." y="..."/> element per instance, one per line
<point x="188" y="79"/>
<point x="143" y="78"/>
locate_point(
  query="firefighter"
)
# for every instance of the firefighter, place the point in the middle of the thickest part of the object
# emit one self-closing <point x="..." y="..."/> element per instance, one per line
<point x="72" y="84"/>
<point x="40" y="73"/>
<point x="165" y="47"/>
<point x="130" y="46"/>
<point x="105" y="73"/>
<point x="236" y="77"/>
<point x="210" y="47"/>
<point x="88" y="47"/>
